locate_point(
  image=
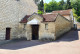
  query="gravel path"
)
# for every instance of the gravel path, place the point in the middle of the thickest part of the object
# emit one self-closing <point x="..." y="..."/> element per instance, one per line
<point x="68" y="44"/>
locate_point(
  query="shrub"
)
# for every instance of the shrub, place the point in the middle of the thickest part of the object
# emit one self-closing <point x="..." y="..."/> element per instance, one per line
<point x="40" y="12"/>
<point x="78" y="19"/>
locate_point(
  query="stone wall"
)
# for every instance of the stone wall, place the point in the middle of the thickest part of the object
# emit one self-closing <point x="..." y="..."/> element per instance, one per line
<point x="67" y="16"/>
<point x="70" y="17"/>
<point x="11" y="13"/>
<point x="29" y="28"/>
<point x="62" y="25"/>
<point x="55" y="29"/>
<point x="47" y="33"/>
<point x="43" y="33"/>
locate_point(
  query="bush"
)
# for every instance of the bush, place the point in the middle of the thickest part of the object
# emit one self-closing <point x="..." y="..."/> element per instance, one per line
<point x="78" y="19"/>
<point x="40" y="12"/>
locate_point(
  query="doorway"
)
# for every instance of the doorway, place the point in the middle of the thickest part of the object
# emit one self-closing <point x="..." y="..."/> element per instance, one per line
<point x="35" y="32"/>
<point x="8" y="33"/>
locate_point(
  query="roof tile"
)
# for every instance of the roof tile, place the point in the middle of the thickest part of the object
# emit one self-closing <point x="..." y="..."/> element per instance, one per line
<point x="47" y="18"/>
<point x="63" y="12"/>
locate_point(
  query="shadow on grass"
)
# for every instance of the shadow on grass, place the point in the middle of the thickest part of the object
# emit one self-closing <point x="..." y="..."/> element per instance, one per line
<point x="15" y="45"/>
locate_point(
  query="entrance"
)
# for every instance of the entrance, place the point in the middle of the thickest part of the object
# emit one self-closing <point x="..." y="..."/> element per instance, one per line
<point x="35" y="30"/>
<point x="8" y="33"/>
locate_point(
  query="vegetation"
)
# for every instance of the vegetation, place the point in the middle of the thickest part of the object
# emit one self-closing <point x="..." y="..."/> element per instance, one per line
<point x="78" y="19"/>
<point x="40" y="12"/>
<point x="61" y="5"/>
<point x="41" y="7"/>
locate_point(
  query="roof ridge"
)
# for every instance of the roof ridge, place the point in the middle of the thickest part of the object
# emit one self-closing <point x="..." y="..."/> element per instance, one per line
<point x="62" y="10"/>
<point x="50" y="14"/>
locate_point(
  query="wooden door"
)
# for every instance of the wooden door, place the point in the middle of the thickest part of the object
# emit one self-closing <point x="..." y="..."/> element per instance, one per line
<point x="8" y="33"/>
<point x="35" y="30"/>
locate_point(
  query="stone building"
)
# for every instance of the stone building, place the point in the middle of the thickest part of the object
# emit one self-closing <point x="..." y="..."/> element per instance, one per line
<point x="18" y="20"/>
<point x="67" y="14"/>
<point x="11" y="13"/>
<point x="46" y="26"/>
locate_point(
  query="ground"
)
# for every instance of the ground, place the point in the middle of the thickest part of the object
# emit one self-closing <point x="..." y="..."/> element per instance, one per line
<point x="68" y="44"/>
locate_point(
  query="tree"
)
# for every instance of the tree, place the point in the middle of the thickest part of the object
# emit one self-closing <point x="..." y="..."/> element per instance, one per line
<point x="68" y="5"/>
<point x="51" y="6"/>
<point x="62" y="5"/>
<point x="78" y="19"/>
<point x="41" y="6"/>
<point x="76" y="6"/>
<point x="74" y="13"/>
<point x="62" y="2"/>
<point x="46" y="7"/>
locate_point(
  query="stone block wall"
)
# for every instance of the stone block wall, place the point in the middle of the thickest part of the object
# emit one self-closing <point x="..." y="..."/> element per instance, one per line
<point x="62" y="25"/>
<point x="47" y="33"/>
<point x="29" y="28"/>
<point x="55" y="29"/>
<point x="11" y="13"/>
<point x="70" y="17"/>
<point x="43" y="33"/>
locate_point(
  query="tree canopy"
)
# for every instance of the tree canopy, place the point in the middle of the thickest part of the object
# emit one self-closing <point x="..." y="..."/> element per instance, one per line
<point x="41" y="6"/>
<point x="64" y="5"/>
<point x="61" y="5"/>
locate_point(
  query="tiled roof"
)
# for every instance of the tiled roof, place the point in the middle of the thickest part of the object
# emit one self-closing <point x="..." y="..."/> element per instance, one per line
<point x="47" y="18"/>
<point x="63" y="12"/>
<point x="24" y="20"/>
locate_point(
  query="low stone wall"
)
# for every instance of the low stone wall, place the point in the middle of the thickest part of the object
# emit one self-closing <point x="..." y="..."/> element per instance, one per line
<point x="62" y="26"/>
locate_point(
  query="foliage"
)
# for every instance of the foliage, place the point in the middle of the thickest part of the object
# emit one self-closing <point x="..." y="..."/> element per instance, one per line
<point x="51" y="6"/>
<point x="62" y="5"/>
<point x="41" y="6"/>
<point x="68" y="5"/>
<point x="74" y="11"/>
<point x="76" y="6"/>
<point x="78" y="19"/>
<point x="40" y="12"/>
